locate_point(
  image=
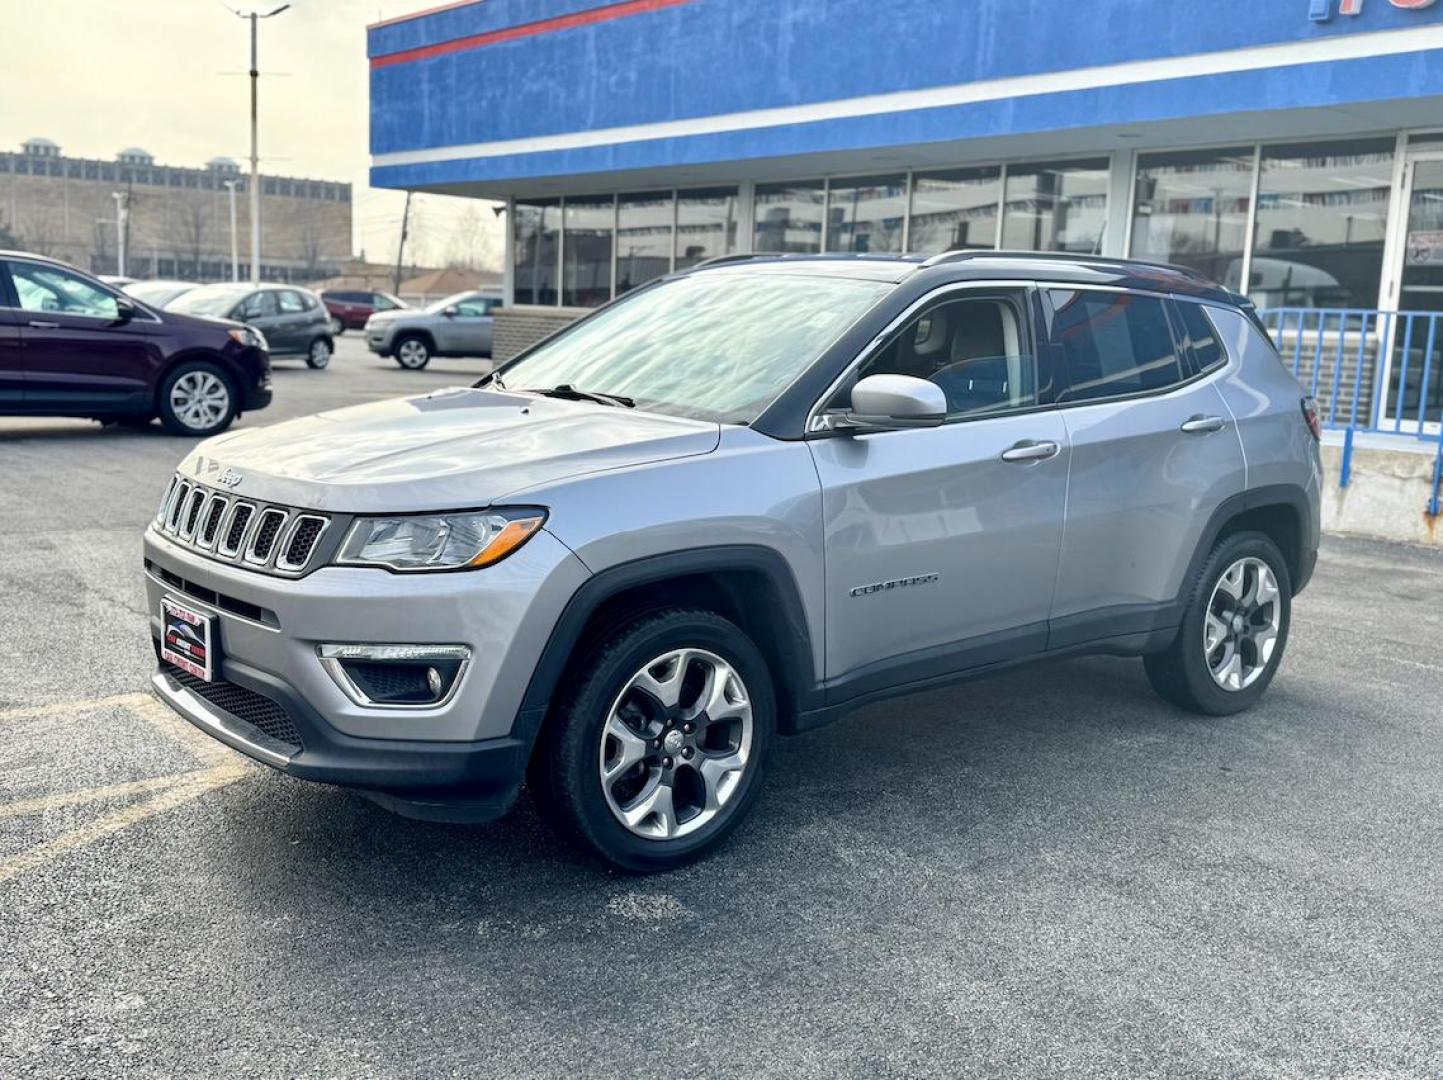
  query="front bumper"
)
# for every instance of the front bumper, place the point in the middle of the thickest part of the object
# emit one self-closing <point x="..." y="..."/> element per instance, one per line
<point x="268" y="631"/>
<point x="380" y="341"/>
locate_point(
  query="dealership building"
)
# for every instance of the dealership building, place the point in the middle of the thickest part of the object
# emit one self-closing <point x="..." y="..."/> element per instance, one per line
<point x="1291" y="148"/>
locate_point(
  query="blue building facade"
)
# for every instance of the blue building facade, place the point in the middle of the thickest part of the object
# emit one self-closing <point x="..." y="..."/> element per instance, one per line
<point x="1291" y="147"/>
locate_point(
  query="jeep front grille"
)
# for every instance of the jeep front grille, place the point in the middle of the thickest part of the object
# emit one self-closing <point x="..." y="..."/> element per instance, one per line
<point x="257" y="536"/>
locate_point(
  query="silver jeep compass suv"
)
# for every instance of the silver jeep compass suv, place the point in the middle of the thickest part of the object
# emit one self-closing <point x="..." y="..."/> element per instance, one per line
<point x="729" y="506"/>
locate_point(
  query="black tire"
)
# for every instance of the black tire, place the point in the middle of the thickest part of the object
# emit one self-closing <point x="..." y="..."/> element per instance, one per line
<point x="412" y="351"/>
<point x="175" y="423"/>
<point x="318" y="353"/>
<point x="565" y="768"/>
<point x="1182" y="674"/>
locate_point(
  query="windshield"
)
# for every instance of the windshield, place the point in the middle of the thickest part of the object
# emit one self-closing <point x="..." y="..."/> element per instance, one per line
<point x="713" y="346"/>
<point x="210" y="300"/>
<point x="441" y="305"/>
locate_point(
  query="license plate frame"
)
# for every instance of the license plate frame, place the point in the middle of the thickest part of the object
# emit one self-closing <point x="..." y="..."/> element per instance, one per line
<point x="187" y="638"/>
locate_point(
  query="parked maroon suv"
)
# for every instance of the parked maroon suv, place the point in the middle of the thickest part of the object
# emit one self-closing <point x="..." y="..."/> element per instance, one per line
<point x="73" y="346"/>
<point x="350" y="308"/>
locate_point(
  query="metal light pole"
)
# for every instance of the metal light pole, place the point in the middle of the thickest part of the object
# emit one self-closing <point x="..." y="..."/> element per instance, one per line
<point x="121" y="210"/>
<point x="231" y="185"/>
<point x="255" y="17"/>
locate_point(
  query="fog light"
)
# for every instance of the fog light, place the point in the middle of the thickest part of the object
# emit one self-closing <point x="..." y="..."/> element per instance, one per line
<point x="396" y="676"/>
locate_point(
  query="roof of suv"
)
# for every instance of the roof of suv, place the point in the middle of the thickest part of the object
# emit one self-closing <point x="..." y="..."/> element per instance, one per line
<point x="1064" y="267"/>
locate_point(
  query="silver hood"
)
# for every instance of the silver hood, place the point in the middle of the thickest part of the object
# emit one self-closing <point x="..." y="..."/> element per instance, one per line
<point x="453" y="449"/>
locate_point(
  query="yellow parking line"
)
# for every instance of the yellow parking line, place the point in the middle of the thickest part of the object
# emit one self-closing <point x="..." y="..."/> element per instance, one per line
<point x="190" y="786"/>
<point x="88" y="795"/>
<point x="171" y="724"/>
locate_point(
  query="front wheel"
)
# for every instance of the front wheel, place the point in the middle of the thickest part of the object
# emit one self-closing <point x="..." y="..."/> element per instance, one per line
<point x="657" y="752"/>
<point x="196" y="398"/>
<point x="318" y="355"/>
<point x="413" y="353"/>
<point x="1234" y="630"/>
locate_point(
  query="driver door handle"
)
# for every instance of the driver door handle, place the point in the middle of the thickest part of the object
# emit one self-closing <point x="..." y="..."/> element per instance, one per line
<point x="1031" y="450"/>
<point x="37" y="324"/>
<point x="1199" y="425"/>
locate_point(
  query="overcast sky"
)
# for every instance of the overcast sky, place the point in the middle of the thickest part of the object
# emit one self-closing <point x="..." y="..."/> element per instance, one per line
<point x="169" y="76"/>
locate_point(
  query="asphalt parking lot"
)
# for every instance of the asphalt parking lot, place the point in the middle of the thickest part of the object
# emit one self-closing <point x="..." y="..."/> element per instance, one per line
<point x="1048" y="873"/>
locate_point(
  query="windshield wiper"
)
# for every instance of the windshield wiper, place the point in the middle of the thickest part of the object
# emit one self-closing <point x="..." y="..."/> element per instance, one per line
<point x="567" y="392"/>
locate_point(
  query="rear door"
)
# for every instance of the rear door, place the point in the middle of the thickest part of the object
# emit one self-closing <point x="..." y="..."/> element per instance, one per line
<point x="942" y="543"/>
<point x="1154" y="452"/>
<point x="77" y="355"/>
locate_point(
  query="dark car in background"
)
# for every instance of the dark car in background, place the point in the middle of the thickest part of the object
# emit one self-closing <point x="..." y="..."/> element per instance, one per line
<point x="70" y="345"/>
<point x="350" y="308"/>
<point x="293" y="320"/>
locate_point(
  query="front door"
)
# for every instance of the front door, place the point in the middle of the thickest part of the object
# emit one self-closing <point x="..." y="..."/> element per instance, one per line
<point x="468" y="331"/>
<point x="942" y="543"/>
<point x="259" y="310"/>
<point x="77" y="355"/>
<point x="12" y="376"/>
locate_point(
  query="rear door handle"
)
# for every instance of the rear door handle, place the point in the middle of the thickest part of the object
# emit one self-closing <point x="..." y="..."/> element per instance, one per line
<point x="36" y="324"/>
<point x="1031" y="450"/>
<point x="1199" y="425"/>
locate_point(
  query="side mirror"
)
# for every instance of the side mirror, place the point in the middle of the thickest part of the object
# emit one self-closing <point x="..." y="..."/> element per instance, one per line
<point x="451" y="312"/>
<point x="124" y="311"/>
<point x="895" y="402"/>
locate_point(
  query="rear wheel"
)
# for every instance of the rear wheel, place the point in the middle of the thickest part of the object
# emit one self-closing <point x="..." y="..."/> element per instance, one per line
<point x="318" y="355"/>
<point x="196" y="398"/>
<point x="413" y="352"/>
<point x="1234" y="630"/>
<point x="657" y="753"/>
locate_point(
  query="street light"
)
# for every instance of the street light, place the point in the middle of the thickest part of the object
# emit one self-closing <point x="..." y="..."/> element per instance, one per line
<point x="231" y="185"/>
<point x="255" y="17"/>
<point x="122" y="209"/>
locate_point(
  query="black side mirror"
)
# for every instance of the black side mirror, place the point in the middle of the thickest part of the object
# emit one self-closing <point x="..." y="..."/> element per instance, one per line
<point x="124" y="311"/>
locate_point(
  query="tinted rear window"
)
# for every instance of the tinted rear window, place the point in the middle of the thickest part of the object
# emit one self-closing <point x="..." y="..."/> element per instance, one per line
<point x="1207" y="351"/>
<point x="1112" y="343"/>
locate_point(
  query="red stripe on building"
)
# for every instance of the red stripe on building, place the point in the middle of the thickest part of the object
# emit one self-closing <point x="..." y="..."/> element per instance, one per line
<point x="532" y="29"/>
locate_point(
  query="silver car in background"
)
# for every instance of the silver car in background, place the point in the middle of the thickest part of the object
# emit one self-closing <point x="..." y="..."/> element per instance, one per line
<point x="459" y="325"/>
<point x="735" y="504"/>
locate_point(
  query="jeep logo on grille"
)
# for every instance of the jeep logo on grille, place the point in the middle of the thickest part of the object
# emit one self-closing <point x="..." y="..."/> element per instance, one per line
<point x="228" y="478"/>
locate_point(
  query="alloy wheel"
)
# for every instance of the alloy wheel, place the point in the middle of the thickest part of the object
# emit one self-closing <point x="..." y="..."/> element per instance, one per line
<point x="320" y="353"/>
<point x="1242" y="622"/>
<point x="412" y="354"/>
<point x="675" y="744"/>
<point x="200" y="399"/>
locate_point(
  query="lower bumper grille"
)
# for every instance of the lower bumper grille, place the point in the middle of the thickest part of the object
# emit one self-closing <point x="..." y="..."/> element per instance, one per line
<point x="257" y="710"/>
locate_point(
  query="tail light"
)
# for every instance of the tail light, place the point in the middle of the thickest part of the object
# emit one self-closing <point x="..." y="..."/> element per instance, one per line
<point x="1310" y="417"/>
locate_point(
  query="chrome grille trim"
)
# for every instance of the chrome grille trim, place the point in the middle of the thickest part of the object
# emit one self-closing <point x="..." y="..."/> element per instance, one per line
<point x="283" y="547"/>
<point x="202" y="520"/>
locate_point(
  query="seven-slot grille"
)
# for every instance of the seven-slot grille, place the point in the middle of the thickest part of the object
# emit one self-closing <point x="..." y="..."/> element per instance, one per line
<point x="259" y="536"/>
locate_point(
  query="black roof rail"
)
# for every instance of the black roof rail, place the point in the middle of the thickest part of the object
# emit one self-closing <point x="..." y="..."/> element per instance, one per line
<point x="1064" y="256"/>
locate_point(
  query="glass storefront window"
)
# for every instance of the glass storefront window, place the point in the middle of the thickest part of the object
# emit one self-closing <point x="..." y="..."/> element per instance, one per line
<point x="706" y="225"/>
<point x="955" y="210"/>
<point x="643" y="239"/>
<point x="537" y="229"/>
<point x="866" y="213"/>
<point x="586" y="255"/>
<point x="789" y="217"/>
<point x="1191" y="209"/>
<point x="1056" y="206"/>
<point x="1322" y="215"/>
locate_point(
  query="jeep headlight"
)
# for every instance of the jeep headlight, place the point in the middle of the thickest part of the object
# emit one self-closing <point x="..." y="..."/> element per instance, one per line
<point x="439" y="541"/>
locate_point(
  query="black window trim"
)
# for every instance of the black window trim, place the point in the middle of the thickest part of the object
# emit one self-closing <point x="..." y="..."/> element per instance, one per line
<point x="1180" y="331"/>
<point x="1029" y="295"/>
<point x="1185" y="363"/>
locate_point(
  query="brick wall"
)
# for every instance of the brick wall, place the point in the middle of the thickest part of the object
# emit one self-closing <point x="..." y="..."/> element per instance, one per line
<point x="522" y="326"/>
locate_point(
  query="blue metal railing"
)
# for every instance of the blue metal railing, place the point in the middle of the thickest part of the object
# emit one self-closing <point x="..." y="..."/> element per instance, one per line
<point x="1370" y="371"/>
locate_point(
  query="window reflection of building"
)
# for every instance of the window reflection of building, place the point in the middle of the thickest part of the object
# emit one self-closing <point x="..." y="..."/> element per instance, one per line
<point x="867" y="214"/>
<point x="1059" y="206"/>
<point x="789" y="217"/>
<point x="955" y="210"/>
<point x="1191" y="209"/>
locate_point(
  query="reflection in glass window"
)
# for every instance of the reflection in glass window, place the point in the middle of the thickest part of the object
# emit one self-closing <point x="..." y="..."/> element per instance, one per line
<point x="955" y="210"/>
<point x="789" y="217"/>
<point x="1191" y="209"/>
<point x="537" y="234"/>
<point x="1060" y="206"/>
<point x="586" y="254"/>
<point x="1112" y="343"/>
<point x="1322" y="212"/>
<point x="643" y="239"/>
<point x="866" y="213"/>
<point x="706" y="225"/>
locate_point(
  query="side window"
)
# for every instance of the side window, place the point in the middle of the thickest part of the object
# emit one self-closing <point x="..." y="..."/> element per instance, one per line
<point x="473" y="307"/>
<point x="1112" y="344"/>
<point x="52" y="290"/>
<point x="1207" y="350"/>
<point x="977" y="350"/>
<point x="380" y="301"/>
<point x="291" y="302"/>
<point x="258" y="305"/>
